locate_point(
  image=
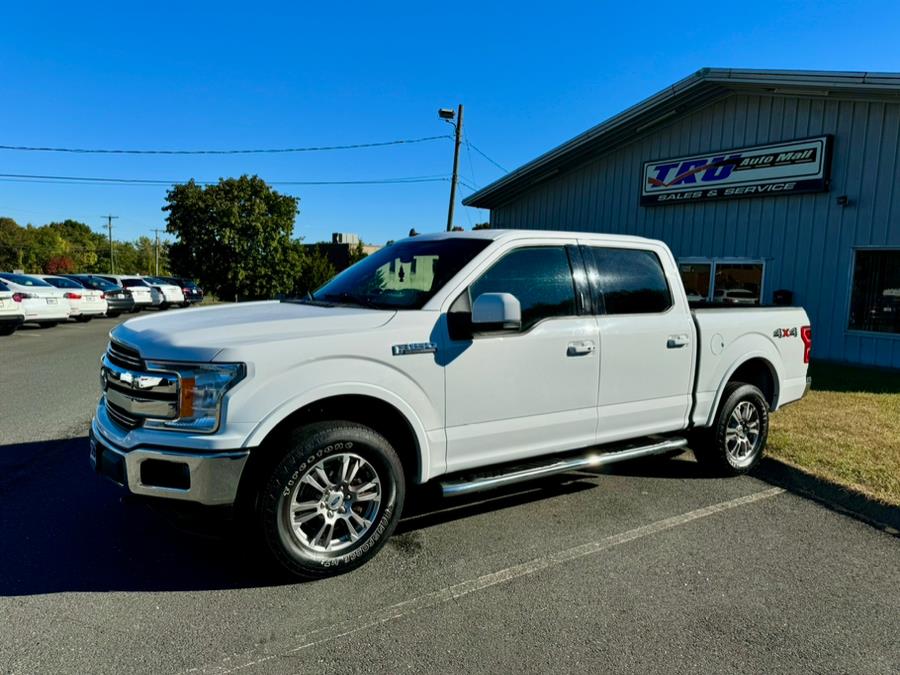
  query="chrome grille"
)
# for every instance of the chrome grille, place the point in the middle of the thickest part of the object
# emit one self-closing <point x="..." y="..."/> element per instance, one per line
<point x="132" y="393"/>
<point x="123" y="356"/>
<point x="122" y="418"/>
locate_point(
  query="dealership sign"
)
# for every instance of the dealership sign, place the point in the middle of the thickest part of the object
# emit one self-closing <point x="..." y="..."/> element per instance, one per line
<point x="762" y="170"/>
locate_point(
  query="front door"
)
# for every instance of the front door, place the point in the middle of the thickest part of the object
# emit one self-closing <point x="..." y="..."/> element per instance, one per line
<point x="517" y="394"/>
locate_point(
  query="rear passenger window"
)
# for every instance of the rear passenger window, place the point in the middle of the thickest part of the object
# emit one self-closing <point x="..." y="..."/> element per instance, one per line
<point x="629" y="281"/>
<point x="540" y="278"/>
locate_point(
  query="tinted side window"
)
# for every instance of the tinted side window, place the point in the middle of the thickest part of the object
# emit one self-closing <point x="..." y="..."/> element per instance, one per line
<point x="630" y="281"/>
<point x="62" y="282"/>
<point x="540" y="278"/>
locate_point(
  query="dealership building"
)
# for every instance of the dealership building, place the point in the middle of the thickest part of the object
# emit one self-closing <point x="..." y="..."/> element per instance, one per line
<point x="769" y="187"/>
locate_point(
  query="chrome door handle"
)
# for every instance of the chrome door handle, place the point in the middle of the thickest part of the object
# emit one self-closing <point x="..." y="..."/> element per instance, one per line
<point x="580" y="348"/>
<point x="677" y="341"/>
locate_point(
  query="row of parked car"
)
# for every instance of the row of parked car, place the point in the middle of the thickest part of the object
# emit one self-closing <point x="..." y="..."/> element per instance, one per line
<point x="47" y="299"/>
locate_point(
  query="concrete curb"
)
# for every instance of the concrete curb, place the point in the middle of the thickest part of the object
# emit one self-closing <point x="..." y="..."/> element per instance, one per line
<point x="831" y="495"/>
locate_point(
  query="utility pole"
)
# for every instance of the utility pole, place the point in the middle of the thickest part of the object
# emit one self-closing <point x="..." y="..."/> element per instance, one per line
<point x="157" y="248"/>
<point x="109" y="219"/>
<point x="447" y="116"/>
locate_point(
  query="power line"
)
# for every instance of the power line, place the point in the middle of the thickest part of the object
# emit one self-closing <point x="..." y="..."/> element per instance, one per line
<point x="88" y="180"/>
<point x="467" y="186"/>
<point x="475" y="148"/>
<point x="469" y="155"/>
<point x="256" y="151"/>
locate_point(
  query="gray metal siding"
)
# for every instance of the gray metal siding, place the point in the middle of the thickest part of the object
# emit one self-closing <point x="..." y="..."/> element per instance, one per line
<point x="807" y="241"/>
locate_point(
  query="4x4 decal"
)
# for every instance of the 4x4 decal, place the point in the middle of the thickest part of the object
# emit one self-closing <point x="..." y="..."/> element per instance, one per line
<point x="785" y="332"/>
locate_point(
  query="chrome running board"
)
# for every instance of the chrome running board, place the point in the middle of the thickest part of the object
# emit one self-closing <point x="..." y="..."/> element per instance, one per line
<point x="463" y="485"/>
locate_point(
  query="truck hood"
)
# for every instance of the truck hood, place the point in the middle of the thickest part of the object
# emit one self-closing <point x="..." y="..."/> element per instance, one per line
<point x="199" y="334"/>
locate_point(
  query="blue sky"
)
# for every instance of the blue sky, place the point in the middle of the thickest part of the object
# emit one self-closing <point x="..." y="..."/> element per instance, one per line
<point x="251" y="75"/>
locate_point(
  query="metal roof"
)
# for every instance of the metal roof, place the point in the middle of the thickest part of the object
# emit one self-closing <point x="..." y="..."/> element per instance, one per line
<point x="700" y="88"/>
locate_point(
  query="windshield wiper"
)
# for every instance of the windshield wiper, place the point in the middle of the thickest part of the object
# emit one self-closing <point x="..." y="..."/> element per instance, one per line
<point x="346" y="298"/>
<point x="308" y="299"/>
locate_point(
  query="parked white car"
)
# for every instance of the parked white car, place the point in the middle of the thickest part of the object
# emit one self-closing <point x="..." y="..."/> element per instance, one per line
<point x="11" y="314"/>
<point x="735" y="296"/>
<point x="85" y="303"/>
<point x="41" y="303"/>
<point x="476" y="359"/>
<point x="172" y="295"/>
<point x="143" y="294"/>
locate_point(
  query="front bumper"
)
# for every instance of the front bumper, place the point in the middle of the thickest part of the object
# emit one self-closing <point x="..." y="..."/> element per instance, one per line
<point x="209" y="478"/>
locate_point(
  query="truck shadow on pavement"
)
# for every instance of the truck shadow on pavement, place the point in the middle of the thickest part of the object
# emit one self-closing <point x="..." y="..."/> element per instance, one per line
<point x="65" y="529"/>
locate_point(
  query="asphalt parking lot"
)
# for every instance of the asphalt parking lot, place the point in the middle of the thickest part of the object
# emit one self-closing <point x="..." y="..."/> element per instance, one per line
<point x="648" y="566"/>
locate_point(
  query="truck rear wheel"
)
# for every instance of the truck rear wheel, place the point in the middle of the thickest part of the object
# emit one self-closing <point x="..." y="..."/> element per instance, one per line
<point x="734" y="444"/>
<point x="333" y="500"/>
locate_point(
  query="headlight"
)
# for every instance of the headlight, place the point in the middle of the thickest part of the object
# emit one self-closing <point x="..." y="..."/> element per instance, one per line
<point x="201" y="389"/>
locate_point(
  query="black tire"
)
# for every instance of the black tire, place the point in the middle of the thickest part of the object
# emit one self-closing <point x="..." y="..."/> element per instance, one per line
<point x="112" y="315"/>
<point x="83" y="319"/>
<point x="733" y="445"/>
<point x="48" y="324"/>
<point x="136" y="310"/>
<point x="330" y="442"/>
<point x="8" y="330"/>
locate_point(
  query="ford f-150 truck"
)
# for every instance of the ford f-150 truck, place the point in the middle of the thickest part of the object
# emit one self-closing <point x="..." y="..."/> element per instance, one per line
<point x="474" y="360"/>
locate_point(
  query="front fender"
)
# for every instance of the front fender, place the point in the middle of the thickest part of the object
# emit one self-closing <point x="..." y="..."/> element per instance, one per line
<point x="377" y="381"/>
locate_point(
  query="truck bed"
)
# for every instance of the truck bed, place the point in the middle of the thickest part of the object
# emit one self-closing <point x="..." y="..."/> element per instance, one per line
<point x="730" y="337"/>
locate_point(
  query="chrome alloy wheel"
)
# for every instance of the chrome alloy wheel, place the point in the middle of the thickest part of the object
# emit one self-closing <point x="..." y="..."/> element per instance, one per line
<point x="742" y="434"/>
<point x="334" y="504"/>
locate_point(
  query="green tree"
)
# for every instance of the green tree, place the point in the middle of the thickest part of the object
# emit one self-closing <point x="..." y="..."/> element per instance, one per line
<point x="234" y="237"/>
<point x="482" y="226"/>
<point x="12" y="244"/>
<point x="357" y="253"/>
<point x="83" y="246"/>
<point x="316" y="269"/>
<point x="41" y="245"/>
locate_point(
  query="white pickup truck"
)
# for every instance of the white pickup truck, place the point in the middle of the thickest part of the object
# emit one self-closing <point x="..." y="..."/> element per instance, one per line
<point x="474" y="359"/>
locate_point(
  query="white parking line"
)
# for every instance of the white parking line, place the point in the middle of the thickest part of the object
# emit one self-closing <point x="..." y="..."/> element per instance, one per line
<point x="385" y="614"/>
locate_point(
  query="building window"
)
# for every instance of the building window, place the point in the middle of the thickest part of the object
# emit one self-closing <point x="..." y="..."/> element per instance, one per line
<point x="697" y="278"/>
<point x="875" y="298"/>
<point x="725" y="281"/>
<point x="738" y="283"/>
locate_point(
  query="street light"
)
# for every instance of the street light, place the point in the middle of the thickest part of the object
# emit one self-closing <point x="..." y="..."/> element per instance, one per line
<point x="447" y="115"/>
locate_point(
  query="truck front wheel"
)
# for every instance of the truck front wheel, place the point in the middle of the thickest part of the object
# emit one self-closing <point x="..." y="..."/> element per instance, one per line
<point x="735" y="442"/>
<point x="333" y="500"/>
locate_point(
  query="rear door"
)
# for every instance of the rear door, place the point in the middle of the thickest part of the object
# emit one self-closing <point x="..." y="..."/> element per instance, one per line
<point x="646" y="342"/>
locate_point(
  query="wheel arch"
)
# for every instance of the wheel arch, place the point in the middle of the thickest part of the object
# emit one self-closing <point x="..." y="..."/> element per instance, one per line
<point x="756" y="369"/>
<point x="372" y="406"/>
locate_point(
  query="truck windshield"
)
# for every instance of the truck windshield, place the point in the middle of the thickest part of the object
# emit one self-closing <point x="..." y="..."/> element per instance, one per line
<point x="404" y="275"/>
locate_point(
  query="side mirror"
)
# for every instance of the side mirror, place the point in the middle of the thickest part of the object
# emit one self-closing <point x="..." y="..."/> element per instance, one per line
<point x="496" y="312"/>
